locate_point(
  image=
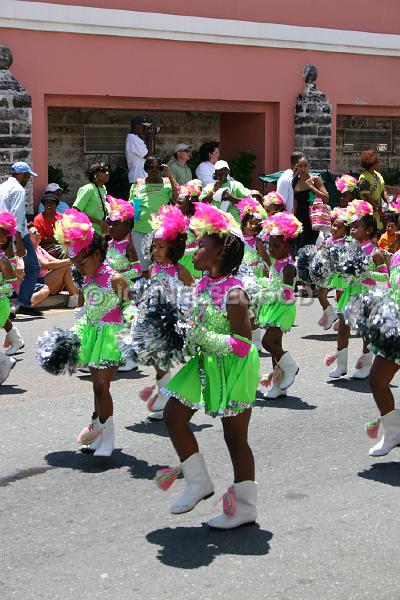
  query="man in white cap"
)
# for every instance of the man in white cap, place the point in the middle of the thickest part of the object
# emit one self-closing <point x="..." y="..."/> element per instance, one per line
<point x="54" y="189"/>
<point x="226" y="192"/>
<point x="178" y="163"/>
<point x="138" y="146"/>
<point x="12" y="199"/>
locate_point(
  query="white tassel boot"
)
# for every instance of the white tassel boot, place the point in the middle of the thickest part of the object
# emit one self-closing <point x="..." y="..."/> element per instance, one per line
<point x="89" y="438"/>
<point x="363" y="366"/>
<point x="6" y="364"/>
<point x="341" y="364"/>
<point x="198" y="484"/>
<point x="256" y="337"/>
<point x="129" y="365"/>
<point x="16" y="342"/>
<point x="328" y="318"/>
<point x="240" y="506"/>
<point x="107" y="438"/>
<point x="289" y="368"/>
<point x="157" y="407"/>
<point x="275" y="392"/>
<point x="391" y="434"/>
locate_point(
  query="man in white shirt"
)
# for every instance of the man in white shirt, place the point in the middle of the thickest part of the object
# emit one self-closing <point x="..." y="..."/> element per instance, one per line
<point x="136" y="150"/>
<point x="12" y="199"/>
<point x="284" y="184"/>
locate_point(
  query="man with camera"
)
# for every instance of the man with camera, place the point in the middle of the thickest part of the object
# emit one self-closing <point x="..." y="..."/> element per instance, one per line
<point x="139" y="145"/>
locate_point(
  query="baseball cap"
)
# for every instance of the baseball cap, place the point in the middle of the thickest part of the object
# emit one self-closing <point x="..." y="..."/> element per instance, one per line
<point x="53" y="187"/>
<point x="140" y="121"/>
<point x="50" y="196"/>
<point x="221" y="164"/>
<point x="22" y="167"/>
<point x="180" y="147"/>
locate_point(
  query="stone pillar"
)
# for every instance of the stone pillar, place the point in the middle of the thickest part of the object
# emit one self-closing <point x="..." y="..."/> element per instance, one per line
<point x="313" y="122"/>
<point x="15" y="122"/>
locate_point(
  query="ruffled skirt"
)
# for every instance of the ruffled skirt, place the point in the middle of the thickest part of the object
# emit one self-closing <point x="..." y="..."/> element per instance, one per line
<point x="99" y="345"/>
<point x="277" y="314"/>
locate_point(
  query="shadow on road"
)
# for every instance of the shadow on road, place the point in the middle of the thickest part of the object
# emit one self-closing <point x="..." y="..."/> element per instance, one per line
<point x="194" y="547"/>
<point x="386" y="472"/>
<point x="159" y="428"/>
<point x="324" y="337"/>
<point x="289" y="402"/>
<point x="355" y="385"/>
<point x="139" y="469"/>
<point x="11" y="389"/>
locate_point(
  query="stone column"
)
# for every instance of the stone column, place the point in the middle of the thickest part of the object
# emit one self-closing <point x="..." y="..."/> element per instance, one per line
<point x="15" y="121"/>
<point x="313" y="122"/>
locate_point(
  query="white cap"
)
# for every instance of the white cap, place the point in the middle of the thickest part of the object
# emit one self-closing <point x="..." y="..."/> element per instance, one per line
<point x="53" y="187"/>
<point x="180" y="147"/>
<point x="221" y="164"/>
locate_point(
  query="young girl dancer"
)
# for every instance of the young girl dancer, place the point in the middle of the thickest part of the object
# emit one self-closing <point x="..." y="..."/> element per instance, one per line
<point x="340" y="232"/>
<point x="279" y="314"/>
<point x="13" y="340"/>
<point x="273" y="203"/>
<point x="104" y="291"/>
<point x="347" y="186"/>
<point x="188" y="194"/>
<point x="221" y="378"/>
<point x="167" y="249"/>
<point x="251" y="216"/>
<point x="362" y="229"/>
<point x="121" y="255"/>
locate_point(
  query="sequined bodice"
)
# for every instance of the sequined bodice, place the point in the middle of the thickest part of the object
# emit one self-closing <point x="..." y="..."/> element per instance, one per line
<point x="212" y="297"/>
<point x="167" y="273"/>
<point x="394" y="277"/>
<point x="119" y="262"/>
<point x="102" y="303"/>
<point x="275" y="279"/>
<point x="6" y="289"/>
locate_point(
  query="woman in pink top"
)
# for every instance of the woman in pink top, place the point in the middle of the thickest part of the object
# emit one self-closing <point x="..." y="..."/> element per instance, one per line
<point x="55" y="275"/>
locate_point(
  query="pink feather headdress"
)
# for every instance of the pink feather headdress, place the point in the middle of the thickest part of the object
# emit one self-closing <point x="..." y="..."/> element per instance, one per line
<point x="346" y="183"/>
<point x="284" y="224"/>
<point x="191" y="188"/>
<point x="118" y="209"/>
<point x="169" y="223"/>
<point x="8" y="222"/>
<point x="273" y="198"/>
<point x="74" y="232"/>
<point x="342" y="214"/>
<point x="249" y="206"/>
<point x="395" y="205"/>
<point x="210" y="220"/>
<point x="359" y="209"/>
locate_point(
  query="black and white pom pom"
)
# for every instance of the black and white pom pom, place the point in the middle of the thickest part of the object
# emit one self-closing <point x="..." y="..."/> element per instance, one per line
<point x="304" y="258"/>
<point x="353" y="262"/>
<point x="77" y="277"/>
<point x="319" y="268"/>
<point x="137" y="290"/>
<point x="57" y="352"/>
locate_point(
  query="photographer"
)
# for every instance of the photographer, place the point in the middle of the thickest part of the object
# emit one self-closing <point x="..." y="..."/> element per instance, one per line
<point x="139" y="145"/>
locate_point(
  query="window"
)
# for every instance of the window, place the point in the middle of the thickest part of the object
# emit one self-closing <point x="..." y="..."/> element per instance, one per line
<point x="105" y="139"/>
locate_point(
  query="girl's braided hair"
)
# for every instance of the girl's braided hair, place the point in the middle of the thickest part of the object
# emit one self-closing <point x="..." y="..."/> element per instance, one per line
<point x="232" y="252"/>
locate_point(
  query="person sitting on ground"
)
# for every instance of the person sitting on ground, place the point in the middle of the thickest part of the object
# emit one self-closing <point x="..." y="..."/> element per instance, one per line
<point x="45" y="222"/>
<point x="55" y="275"/>
<point x="56" y="190"/>
<point x="178" y="163"/>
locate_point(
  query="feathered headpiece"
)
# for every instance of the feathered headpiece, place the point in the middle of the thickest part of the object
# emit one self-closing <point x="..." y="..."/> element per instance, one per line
<point x="395" y="205"/>
<point x="342" y="214"/>
<point x="359" y="209"/>
<point x="169" y="223"/>
<point x="74" y="232"/>
<point x="118" y="209"/>
<point x="249" y="206"/>
<point x="284" y="224"/>
<point x="210" y="220"/>
<point x="8" y="222"/>
<point x="191" y="188"/>
<point x="346" y="183"/>
<point x="273" y="198"/>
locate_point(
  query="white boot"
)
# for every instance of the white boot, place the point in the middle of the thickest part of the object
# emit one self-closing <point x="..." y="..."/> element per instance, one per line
<point x="245" y="507"/>
<point x="129" y="365"/>
<point x="6" y="364"/>
<point x="198" y="484"/>
<point x="157" y="408"/>
<point x="107" y="437"/>
<point x="391" y="434"/>
<point x="256" y="337"/>
<point x="16" y="341"/>
<point x="73" y="301"/>
<point x="328" y="318"/>
<point x="87" y="433"/>
<point x="275" y="392"/>
<point x="341" y="364"/>
<point x="363" y="366"/>
<point x="289" y="368"/>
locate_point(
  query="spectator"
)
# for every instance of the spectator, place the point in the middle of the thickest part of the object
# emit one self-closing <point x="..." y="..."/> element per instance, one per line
<point x="178" y="163"/>
<point x="208" y="154"/>
<point x="12" y="199"/>
<point x="147" y="195"/>
<point x="371" y="183"/>
<point x="136" y="150"/>
<point x="91" y="198"/>
<point x="55" y="189"/>
<point x="389" y="241"/>
<point x="225" y="192"/>
<point x="45" y="223"/>
<point x="55" y="275"/>
<point x="284" y="183"/>
<point x="257" y="196"/>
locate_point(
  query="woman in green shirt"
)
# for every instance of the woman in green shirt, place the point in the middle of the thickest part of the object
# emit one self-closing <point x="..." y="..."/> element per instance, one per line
<point x="91" y="198"/>
<point x="147" y="196"/>
<point x="371" y="183"/>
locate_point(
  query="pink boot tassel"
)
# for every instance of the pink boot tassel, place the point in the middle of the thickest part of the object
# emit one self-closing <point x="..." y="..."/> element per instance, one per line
<point x="146" y="392"/>
<point x="271" y="378"/>
<point x="372" y="428"/>
<point x="87" y="436"/>
<point x="166" y="477"/>
<point x="329" y="359"/>
<point x="360" y="363"/>
<point x="228" y="502"/>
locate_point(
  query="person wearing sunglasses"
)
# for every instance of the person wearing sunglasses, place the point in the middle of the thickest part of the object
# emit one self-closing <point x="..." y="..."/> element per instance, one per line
<point x="178" y="163"/>
<point x="91" y="198"/>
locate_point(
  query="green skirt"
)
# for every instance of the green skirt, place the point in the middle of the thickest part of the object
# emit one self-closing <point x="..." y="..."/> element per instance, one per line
<point x="336" y="282"/>
<point x="277" y="314"/>
<point x="99" y="346"/>
<point x="223" y="386"/>
<point x="349" y="292"/>
<point x="4" y="310"/>
<point x="187" y="262"/>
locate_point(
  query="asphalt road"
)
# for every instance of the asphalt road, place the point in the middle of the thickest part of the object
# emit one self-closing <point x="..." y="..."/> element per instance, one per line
<point x="72" y="526"/>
